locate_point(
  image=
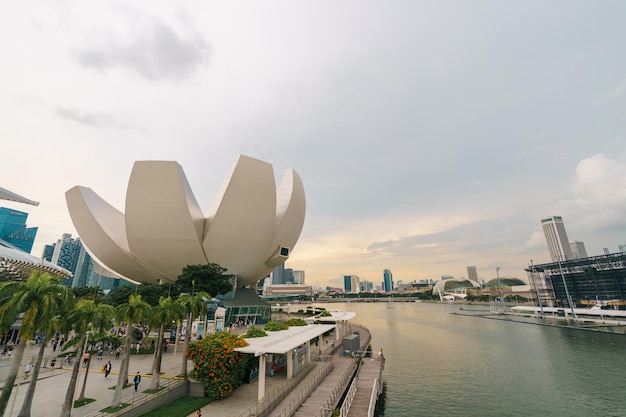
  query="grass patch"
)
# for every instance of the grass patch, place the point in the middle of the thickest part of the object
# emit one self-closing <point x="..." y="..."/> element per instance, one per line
<point x="115" y="409"/>
<point x="83" y="402"/>
<point x="179" y="407"/>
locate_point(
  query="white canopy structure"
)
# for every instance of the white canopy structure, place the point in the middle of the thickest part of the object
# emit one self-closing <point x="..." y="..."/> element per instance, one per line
<point x="283" y="343"/>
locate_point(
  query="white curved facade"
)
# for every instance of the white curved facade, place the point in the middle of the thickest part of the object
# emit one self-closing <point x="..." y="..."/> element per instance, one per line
<point x="249" y="229"/>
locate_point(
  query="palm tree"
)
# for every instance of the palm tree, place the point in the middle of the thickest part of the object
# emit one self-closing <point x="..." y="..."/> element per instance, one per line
<point x="40" y="298"/>
<point x="84" y="317"/>
<point x="134" y="311"/>
<point x="194" y="305"/>
<point x="166" y="312"/>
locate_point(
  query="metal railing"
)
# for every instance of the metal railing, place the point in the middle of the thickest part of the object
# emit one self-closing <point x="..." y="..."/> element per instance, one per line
<point x="277" y="394"/>
<point x="347" y="402"/>
<point x="329" y="405"/>
<point x="136" y="399"/>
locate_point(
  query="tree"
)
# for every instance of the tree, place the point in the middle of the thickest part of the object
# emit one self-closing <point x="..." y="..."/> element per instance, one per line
<point x="134" y="311"/>
<point x="85" y="316"/>
<point x="165" y="313"/>
<point x="194" y="306"/>
<point x="210" y="278"/>
<point x="40" y="298"/>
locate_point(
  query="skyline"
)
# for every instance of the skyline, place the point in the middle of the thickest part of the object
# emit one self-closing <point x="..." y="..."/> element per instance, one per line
<point x="430" y="136"/>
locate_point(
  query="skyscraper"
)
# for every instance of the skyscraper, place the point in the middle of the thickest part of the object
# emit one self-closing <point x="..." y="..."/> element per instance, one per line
<point x="578" y="249"/>
<point x="14" y="231"/>
<point x="556" y="237"/>
<point x="351" y="284"/>
<point x="472" y="273"/>
<point x="66" y="253"/>
<point x="387" y="280"/>
<point x="298" y="277"/>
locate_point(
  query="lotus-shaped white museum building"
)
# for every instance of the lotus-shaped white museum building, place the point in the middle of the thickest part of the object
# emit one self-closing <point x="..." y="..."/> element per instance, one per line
<point x="250" y="228"/>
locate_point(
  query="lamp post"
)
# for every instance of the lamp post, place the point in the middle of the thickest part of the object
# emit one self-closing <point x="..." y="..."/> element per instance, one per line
<point x="569" y="299"/>
<point x="500" y="287"/>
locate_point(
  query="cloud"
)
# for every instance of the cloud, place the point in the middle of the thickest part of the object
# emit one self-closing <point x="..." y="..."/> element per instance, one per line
<point x="618" y="91"/>
<point x="97" y="120"/>
<point x="599" y="193"/>
<point x="156" y="51"/>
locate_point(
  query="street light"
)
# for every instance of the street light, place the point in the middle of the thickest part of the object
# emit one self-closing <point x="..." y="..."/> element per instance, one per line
<point x="569" y="299"/>
<point x="500" y="287"/>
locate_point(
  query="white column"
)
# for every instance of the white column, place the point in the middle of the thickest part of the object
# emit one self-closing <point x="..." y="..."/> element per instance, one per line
<point x="308" y="352"/>
<point x="289" y="363"/>
<point x="262" y="370"/>
<point x="320" y="343"/>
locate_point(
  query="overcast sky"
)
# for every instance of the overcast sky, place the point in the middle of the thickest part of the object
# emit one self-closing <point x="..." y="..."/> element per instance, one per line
<point x="430" y="135"/>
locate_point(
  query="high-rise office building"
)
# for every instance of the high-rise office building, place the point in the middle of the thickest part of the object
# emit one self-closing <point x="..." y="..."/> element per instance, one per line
<point x="578" y="249"/>
<point x="556" y="237"/>
<point x="351" y="284"/>
<point x="14" y="231"/>
<point x="278" y="275"/>
<point x="66" y="253"/>
<point x="387" y="280"/>
<point x="298" y="277"/>
<point x="472" y="273"/>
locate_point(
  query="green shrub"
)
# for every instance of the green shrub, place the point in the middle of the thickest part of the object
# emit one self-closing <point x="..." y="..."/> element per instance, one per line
<point x="274" y="326"/>
<point x="295" y="322"/>
<point x="254" y="331"/>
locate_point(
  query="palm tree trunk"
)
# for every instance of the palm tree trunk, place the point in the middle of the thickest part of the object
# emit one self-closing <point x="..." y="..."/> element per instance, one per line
<point x="158" y="356"/>
<point x="69" y="395"/>
<point x="10" y="381"/>
<point x="183" y="369"/>
<point x="81" y="397"/>
<point x="122" y="378"/>
<point x="30" y="392"/>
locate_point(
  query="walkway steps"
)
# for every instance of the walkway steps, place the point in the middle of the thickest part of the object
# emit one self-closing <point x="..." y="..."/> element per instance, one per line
<point x="368" y="373"/>
<point x="332" y="386"/>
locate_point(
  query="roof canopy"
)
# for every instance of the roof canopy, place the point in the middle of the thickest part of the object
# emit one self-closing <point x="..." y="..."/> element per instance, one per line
<point x="17" y="264"/>
<point x="11" y="196"/>
<point x="283" y="341"/>
<point x="504" y="282"/>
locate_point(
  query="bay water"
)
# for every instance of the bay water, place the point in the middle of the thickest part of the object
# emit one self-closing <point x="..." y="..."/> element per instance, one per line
<point x="444" y="364"/>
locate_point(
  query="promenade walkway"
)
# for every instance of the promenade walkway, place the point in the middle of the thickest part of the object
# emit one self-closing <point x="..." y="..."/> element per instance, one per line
<point x="52" y="387"/>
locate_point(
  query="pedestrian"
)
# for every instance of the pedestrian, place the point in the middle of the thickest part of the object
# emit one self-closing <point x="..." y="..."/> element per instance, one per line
<point x="52" y="363"/>
<point x="107" y="369"/>
<point x="199" y="412"/>
<point x="117" y="352"/>
<point x="27" y="369"/>
<point x="138" y="347"/>
<point x="137" y="380"/>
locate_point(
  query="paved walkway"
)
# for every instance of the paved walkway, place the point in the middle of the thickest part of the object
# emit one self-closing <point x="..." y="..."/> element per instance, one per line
<point x="52" y="387"/>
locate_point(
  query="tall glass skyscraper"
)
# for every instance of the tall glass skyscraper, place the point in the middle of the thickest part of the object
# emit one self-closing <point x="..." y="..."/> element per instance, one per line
<point x="387" y="280"/>
<point x="13" y="229"/>
<point x="556" y="237"/>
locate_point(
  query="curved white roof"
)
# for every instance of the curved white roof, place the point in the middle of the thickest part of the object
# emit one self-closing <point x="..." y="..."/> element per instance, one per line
<point x="19" y="264"/>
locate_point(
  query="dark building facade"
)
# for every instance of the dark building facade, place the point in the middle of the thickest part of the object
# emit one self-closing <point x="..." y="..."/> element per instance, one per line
<point x="14" y="231"/>
<point x="589" y="281"/>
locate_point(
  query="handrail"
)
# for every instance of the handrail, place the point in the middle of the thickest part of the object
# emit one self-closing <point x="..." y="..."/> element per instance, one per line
<point x="136" y="400"/>
<point x="345" y="407"/>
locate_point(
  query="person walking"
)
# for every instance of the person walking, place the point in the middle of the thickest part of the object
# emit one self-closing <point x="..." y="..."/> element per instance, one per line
<point x="137" y="380"/>
<point x="199" y="412"/>
<point x="27" y="369"/>
<point x="107" y="369"/>
<point x="53" y="362"/>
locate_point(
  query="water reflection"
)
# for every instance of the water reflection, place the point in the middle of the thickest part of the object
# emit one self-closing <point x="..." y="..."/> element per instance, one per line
<point x="442" y="364"/>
